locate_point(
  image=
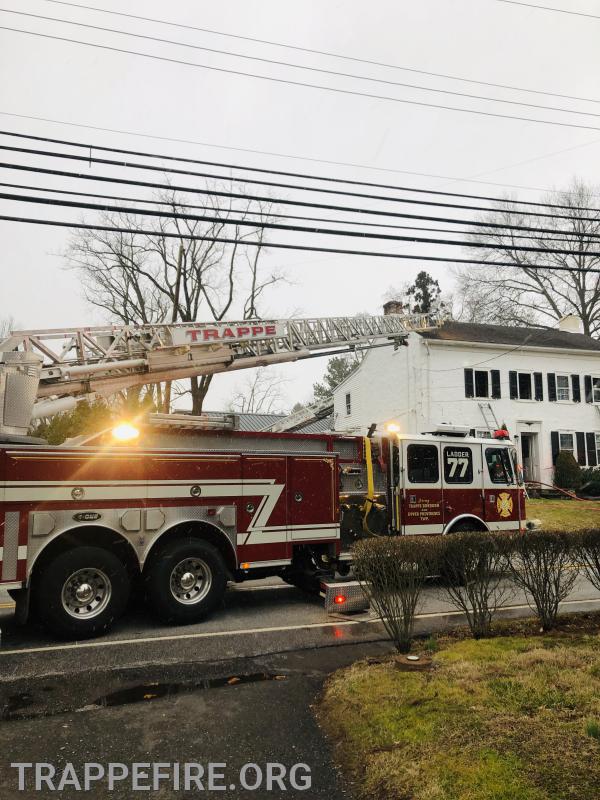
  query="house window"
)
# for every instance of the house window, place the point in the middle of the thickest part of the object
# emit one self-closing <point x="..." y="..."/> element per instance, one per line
<point x="598" y="448"/>
<point x="348" y="404"/>
<point x="566" y="441"/>
<point x="524" y="386"/>
<point x="482" y="383"/>
<point x="422" y="463"/>
<point x="595" y="390"/>
<point x="563" y="390"/>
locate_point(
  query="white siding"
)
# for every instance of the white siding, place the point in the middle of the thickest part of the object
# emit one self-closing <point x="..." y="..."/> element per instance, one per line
<point x="422" y="385"/>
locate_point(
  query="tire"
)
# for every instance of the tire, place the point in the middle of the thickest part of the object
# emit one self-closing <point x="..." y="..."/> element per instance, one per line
<point x="81" y="592"/>
<point x="185" y="581"/>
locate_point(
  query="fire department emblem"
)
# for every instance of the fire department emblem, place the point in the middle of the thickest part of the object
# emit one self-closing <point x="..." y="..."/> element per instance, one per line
<point x="504" y="504"/>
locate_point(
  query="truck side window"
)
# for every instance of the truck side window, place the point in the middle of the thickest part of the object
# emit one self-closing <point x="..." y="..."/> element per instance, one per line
<point x="498" y="462"/>
<point x="422" y="463"/>
<point x="458" y="465"/>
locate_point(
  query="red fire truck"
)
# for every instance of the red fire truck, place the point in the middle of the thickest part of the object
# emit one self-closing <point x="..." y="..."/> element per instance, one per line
<point x="179" y="513"/>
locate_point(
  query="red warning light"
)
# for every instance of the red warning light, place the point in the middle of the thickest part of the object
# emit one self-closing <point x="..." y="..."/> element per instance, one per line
<point x="339" y="599"/>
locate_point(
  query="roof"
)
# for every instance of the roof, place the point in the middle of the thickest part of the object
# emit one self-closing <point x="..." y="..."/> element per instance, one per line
<point x="322" y="425"/>
<point x="452" y="331"/>
<point x="247" y="421"/>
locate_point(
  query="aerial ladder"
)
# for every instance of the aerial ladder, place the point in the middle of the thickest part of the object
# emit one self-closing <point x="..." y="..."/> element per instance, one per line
<point x="45" y="372"/>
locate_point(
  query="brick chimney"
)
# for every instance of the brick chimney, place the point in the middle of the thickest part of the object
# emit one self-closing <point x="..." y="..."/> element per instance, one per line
<point x="570" y="323"/>
<point x="393" y="307"/>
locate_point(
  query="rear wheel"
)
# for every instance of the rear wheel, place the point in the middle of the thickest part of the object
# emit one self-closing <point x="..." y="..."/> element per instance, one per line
<point x="186" y="580"/>
<point x="81" y="592"/>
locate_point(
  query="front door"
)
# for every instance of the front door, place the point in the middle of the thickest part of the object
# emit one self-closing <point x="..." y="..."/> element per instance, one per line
<point x="422" y="506"/>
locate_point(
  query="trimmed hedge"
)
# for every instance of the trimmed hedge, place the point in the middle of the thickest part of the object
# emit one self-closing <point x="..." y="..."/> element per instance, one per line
<point x="481" y="571"/>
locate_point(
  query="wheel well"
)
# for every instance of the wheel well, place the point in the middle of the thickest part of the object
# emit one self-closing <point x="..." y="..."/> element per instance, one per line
<point x="198" y="530"/>
<point x="467" y="524"/>
<point x="91" y="535"/>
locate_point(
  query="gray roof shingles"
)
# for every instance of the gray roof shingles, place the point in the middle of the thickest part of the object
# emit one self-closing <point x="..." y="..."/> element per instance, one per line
<point x="452" y="331"/>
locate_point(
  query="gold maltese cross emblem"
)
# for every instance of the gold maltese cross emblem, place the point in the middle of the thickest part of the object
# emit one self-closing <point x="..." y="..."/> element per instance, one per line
<point x="504" y="504"/>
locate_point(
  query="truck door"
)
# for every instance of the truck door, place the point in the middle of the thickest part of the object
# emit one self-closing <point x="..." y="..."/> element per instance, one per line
<point x="500" y="489"/>
<point x="313" y="499"/>
<point x="422" y="506"/>
<point x="263" y="515"/>
<point x="463" y="481"/>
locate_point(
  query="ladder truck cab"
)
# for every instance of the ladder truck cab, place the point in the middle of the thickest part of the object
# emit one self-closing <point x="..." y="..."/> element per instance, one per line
<point x="180" y="512"/>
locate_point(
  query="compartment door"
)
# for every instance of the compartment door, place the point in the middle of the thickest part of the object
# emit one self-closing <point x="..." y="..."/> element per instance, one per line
<point x="313" y="499"/>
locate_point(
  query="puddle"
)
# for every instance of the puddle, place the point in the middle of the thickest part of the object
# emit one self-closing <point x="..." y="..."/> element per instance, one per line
<point x="145" y="692"/>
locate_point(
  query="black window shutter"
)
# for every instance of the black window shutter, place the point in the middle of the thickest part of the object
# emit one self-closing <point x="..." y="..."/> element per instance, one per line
<point x="576" y="386"/>
<point x="513" y="385"/>
<point x="496" y="391"/>
<point x="539" y="385"/>
<point x="551" y="387"/>
<point x="581" y="459"/>
<point x="588" y="388"/>
<point x="555" y="445"/>
<point x="469" y="384"/>
<point x="591" y="449"/>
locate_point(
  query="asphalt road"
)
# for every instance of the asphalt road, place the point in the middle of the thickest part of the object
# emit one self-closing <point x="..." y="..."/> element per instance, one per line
<point x="234" y="690"/>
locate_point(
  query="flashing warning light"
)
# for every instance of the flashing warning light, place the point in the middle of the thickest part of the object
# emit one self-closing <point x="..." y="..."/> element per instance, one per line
<point x="339" y="599"/>
<point x="501" y="433"/>
<point x="392" y="427"/>
<point x="125" y="432"/>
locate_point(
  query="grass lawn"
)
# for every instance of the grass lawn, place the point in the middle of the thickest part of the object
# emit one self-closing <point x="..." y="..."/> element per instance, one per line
<point x="507" y="718"/>
<point x="564" y="514"/>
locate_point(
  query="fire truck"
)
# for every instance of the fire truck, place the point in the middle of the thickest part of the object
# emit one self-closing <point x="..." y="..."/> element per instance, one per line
<point x="174" y="512"/>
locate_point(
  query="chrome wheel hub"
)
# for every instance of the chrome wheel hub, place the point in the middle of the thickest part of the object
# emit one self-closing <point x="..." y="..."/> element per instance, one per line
<point x="190" y="581"/>
<point x="86" y="593"/>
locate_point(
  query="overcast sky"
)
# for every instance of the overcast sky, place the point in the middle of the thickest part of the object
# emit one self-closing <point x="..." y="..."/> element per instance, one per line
<point x="485" y="40"/>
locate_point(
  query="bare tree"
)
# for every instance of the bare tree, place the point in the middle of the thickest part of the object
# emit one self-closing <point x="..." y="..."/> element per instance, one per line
<point x="525" y="293"/>
<point x="166" y="275"/>
<point x="260" y="393"/>
<point x="7" y="324"/>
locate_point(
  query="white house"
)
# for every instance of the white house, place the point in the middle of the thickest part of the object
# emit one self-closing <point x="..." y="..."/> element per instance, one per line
<point x="543" y="384"/>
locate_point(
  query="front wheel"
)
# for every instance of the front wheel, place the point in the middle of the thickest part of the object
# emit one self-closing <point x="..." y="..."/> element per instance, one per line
<point x="81" y="592"/>
<point x="186" y="580"/>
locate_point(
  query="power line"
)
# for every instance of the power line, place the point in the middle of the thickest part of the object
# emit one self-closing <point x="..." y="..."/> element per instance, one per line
<point x="88" y="146"/>
<point x="283" y="201"/>
<point x="89" y="158"/>
<point x="303" y="84"/>
<point x="277" y="215"/>
<point x="321" y="52"/>
<point x="292" y="228"/>
<point x="284" y="246"/>
<point x="330" y="162"/>
<point x="279" y="63"/>
<point x="526" y="5"/>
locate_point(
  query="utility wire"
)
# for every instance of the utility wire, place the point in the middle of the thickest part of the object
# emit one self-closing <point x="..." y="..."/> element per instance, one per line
<point x="283" y="201"/>
<point x="526" y="5"/>
<point x="320" y="52"/>
<point x="330" y="162"/>
<point x="292" y="228"/>
<point x="303" y="175"/>
<point x="90" y="159"/>
<point x="284" y="246"/>
<point x="303" y="84"/>
<point x="277" y="215"/>
<point x="319" y="70"/>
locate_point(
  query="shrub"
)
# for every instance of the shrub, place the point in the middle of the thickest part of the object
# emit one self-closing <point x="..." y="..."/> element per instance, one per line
<point x="393" y="571"/>
<point x="540" y="563"/>
<point x="567" y="472"/>
<point x="590" y="482"/>
<point x="474" y="568"/>
<point x="588" y="555"/>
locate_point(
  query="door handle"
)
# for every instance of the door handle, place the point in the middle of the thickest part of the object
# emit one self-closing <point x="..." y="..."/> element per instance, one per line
<point x="298" y="497"/>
